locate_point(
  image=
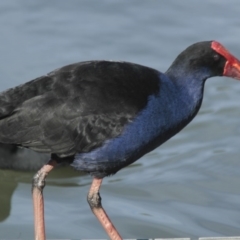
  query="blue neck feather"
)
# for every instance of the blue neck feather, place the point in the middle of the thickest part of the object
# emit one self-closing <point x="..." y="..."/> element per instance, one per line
<point x="165" y="114"/>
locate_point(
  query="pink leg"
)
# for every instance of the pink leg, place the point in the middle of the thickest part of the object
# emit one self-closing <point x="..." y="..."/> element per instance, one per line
<point x="38" y="203"/>
<point x="94" y="201"/>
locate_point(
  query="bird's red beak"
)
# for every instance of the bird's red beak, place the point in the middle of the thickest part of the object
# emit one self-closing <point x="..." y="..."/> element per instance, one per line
<point x="232" y="65"/>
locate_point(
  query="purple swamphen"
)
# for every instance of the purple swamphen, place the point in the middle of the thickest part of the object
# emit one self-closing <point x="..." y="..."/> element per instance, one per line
<point x="101" y="116"/>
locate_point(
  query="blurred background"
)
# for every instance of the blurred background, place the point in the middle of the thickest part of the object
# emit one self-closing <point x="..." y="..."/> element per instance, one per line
<point x="189" y="187"/>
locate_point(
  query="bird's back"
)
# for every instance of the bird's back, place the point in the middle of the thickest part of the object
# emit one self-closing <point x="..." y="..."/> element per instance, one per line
<point x="75" y="108"/>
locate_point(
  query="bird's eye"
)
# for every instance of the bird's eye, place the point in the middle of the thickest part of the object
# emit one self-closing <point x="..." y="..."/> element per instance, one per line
<point x="216" y="57"/>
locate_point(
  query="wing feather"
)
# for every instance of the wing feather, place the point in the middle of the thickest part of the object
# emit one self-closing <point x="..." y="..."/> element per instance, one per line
<point x="75" y="108"/>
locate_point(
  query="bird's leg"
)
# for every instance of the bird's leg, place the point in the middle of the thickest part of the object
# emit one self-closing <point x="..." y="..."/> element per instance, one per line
<point x="38" y="184"/>
<point x="94" y="200"/>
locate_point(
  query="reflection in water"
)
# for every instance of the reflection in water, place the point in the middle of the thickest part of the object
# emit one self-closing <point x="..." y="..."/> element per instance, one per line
<point x="7" y="188"/>
<point x="20" y="159"/>
<point x="12" y="157"/>
<point x="18" y="165"/>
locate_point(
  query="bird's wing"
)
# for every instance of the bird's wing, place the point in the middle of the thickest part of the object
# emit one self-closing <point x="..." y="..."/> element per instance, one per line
<point x="75" y="108"/>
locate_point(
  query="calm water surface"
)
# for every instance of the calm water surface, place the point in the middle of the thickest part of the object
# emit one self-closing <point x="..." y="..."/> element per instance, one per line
<point x="189" y="187"/>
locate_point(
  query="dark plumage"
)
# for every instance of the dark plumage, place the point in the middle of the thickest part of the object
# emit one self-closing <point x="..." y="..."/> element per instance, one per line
<point x="101" y="116"/>
<point x="58" y="113"/>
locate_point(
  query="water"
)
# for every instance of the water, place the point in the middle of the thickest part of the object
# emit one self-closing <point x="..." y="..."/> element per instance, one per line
<point x="189" y="187"/>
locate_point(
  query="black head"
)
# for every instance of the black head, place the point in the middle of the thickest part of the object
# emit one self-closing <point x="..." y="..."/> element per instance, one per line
<point x="204" y="60"/>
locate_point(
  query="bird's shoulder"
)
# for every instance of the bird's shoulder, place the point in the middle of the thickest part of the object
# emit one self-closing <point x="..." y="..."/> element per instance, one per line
<point x="106" y="85"/>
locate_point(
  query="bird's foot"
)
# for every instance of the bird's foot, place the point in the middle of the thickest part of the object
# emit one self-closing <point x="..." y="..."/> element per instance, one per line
<point x="94" y="201"/>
